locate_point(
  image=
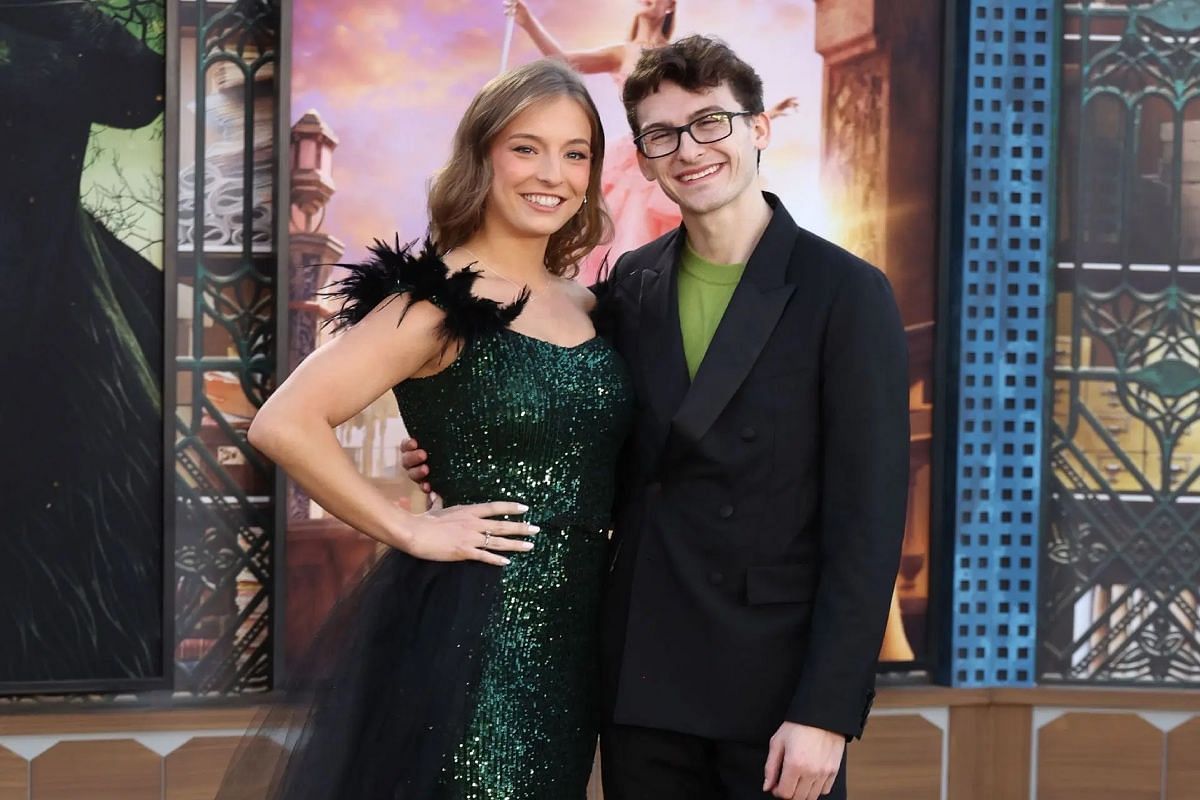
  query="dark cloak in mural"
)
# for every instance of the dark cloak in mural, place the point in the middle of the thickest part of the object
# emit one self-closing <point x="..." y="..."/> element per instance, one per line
<point x="81" y="347"/>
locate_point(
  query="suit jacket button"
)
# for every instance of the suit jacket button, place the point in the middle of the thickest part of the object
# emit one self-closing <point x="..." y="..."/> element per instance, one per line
<point x="726" y="511"/>
<point x="716" y="578"/>
<point x="749" y="434"/>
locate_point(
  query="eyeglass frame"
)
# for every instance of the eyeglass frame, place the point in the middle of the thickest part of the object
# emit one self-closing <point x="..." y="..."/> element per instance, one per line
<point x="680" y="130"/>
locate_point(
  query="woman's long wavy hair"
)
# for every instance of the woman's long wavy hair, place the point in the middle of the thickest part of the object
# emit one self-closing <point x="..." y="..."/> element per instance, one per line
<point x="458" y="192"/>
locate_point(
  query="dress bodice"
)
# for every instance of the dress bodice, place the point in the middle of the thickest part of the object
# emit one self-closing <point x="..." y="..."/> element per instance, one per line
<point x="512" y="417"/>
<point x="517" y="418"/>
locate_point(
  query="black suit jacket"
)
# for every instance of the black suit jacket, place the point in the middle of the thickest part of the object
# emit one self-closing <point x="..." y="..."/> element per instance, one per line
<point x="758" y="527"/>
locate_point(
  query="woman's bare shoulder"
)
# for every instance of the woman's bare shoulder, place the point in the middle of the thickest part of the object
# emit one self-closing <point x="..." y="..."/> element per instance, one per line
<point x="577" y="292"/>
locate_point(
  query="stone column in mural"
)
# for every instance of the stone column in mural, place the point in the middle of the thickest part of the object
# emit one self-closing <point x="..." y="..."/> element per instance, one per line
<point x="310" y="251"/>
<point x="881" y="103"/>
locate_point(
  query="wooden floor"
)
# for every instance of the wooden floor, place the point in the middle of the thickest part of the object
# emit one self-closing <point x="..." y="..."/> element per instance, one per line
<point x="921" y="744"/>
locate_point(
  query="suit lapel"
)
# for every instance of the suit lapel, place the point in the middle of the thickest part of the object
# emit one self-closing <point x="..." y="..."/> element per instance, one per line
<point x="663" y="366"/>
<point x="746" y="327"/>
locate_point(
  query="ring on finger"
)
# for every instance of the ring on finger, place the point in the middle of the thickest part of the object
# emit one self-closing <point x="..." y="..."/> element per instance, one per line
<point x="487" y="537"/>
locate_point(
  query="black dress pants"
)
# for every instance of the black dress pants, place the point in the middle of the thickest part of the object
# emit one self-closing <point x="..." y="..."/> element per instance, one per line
<point x="649" y="764"/>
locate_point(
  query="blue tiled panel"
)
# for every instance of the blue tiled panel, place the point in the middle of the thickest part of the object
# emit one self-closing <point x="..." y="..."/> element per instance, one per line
<point x="1005" y="260"/>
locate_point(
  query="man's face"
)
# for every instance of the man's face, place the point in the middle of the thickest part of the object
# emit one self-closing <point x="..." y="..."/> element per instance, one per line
<point x="702" y="178"/>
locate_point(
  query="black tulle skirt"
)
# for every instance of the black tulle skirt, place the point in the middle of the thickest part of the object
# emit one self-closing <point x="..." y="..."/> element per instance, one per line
<point x="384" y="694"/>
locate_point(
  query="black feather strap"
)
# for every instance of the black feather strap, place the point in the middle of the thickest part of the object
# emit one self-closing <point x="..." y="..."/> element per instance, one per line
<point x="395" y="271"/>
<point x="604" y="313"/>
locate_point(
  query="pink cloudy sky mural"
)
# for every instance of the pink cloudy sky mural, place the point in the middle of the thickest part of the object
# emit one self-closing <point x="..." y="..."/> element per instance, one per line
<point x="392" y="77"/>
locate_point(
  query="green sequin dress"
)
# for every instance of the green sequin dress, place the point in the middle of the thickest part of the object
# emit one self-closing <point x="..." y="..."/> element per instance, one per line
<point x="516" y="418"/>
<point x="462" y="680"/>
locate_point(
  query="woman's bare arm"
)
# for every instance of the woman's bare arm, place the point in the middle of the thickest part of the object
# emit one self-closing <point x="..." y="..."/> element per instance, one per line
<point x="602" y="59"/>
<point x="295" y="429"/>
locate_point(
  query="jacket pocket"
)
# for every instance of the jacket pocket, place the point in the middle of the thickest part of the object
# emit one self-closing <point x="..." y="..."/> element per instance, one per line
<point x="781" y="583"/>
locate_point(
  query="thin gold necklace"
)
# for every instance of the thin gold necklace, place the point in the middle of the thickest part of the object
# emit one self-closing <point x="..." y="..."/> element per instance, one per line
<point x="496" y="272"/>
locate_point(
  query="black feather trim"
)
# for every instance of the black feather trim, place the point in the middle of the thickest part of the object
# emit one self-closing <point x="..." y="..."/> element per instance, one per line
<point x="604" y="313"/>
<point x="395" y="271"/>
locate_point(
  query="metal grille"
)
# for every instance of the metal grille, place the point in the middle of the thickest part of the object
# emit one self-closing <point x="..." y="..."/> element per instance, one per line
<point x="1121" y="563"/>
<point x="1006" y="225"/>
<point x="225" y="356"/>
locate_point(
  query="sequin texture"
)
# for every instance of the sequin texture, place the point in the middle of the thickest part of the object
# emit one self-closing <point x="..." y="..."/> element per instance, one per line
<point x="517" y="418"/>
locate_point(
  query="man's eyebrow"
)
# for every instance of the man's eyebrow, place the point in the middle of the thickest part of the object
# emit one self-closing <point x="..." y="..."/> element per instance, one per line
<point x="695" y="115"/>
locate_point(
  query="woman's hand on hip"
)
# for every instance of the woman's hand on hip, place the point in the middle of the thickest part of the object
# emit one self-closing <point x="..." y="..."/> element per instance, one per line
<point x="468" y="533"/>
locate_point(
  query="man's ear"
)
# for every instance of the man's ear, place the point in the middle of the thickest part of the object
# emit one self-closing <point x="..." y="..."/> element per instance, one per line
<point x="761" y="130"/>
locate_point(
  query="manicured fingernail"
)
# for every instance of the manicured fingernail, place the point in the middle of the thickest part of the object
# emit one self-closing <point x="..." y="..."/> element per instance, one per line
<point x="534" y="529"/>
<point x="526" y="545"/>
<point x="506" y="562"/>
<point x="523" y="507"/>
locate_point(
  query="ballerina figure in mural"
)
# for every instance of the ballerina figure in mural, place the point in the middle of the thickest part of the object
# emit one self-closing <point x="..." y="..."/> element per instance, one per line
<point x="640" y="211"/>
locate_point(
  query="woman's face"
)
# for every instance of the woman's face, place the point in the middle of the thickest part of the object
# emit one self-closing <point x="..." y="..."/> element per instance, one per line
<point x="655" y="9"/>
<point x="541" y="163"/>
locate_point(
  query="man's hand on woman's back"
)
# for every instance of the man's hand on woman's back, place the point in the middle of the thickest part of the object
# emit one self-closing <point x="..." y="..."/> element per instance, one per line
<point x="413" y="459"/>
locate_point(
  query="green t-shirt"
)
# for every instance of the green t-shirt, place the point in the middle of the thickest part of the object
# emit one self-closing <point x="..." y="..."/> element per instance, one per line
<point x="704" y="292"/>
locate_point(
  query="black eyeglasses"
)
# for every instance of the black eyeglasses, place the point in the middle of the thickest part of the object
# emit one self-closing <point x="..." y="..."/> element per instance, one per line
<point x="710" y="128"/>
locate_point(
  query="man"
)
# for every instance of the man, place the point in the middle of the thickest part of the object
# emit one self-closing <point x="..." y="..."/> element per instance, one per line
<point x="757" y="534"/>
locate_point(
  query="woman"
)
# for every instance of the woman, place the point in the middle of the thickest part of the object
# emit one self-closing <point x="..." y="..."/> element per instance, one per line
<point x="470" y="679"/>
<point x="641" y="212"/>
